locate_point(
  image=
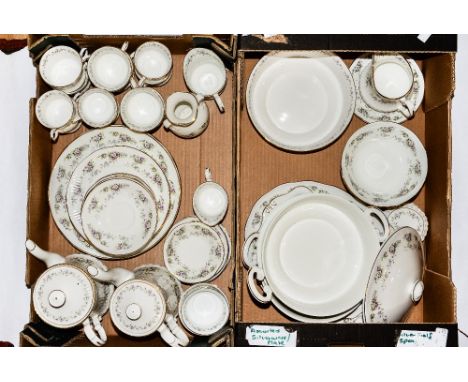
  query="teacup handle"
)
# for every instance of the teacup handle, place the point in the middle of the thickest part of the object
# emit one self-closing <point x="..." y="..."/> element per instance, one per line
<point x="167" y="336"/>
<point x="124" y="46"/>
<point x="167" y="124"/>
<point x="177" y="330"/>
<point x="406" y="108"/>
<point x="257" y="274"/>
<point x="137" y="84"/>
<point x="84" y="55"/>
<point x="219" y="102"/>
<point x="54" y="135"/>
<point x="96" y="320"/>
<point x="91" y="334"/>
<point x="246" y="253"/>
<point x="371" y="211"/>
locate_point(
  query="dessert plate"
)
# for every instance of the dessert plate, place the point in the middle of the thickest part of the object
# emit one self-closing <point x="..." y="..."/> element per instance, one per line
<point x="116" y="160"/>
<point x="119" y="217"/>
<point x="371" y="107"/>
<point x="193" y="252"/>
<point x="300" y="100"/>
<point x="384" y="164"/>
<point x="85" y="145"/>
<point x="316" y="255"/>
<point x="395" y="283"/>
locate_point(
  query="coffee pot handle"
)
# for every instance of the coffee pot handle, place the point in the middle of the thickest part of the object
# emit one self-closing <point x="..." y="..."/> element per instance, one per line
<point x="91" y="334"/>
<point x="168" y="336"/>
<point x="177" y="330"/>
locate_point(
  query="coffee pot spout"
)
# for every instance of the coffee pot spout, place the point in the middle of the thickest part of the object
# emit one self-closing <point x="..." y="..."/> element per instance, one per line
<point x="116" y="276"/>
<point x="49" y="258"/>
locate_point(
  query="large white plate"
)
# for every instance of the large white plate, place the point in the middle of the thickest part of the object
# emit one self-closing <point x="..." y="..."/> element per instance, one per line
<point x="85" y="145"/>
<point x="317" y="253"/>
<point x="301" y="100"/>
<point x="116" y="160"/>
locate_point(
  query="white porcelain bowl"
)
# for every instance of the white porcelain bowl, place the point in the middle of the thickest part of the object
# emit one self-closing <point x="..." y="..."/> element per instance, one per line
<point x="153" y="61"/>
<point x="61" y="66"/>
<point x="97" y="108"/>
<point x="55" y="109"/>
<point x="142" y="109"/>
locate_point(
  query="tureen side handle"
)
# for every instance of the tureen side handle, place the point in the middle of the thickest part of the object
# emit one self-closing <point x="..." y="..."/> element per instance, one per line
<point x="247" y="259"/>
<point x="177" y="330"/>
<point x="168" y="337"/>
<point x="49" y="258"/>
<point x="116" y="276"/>
<point x="372" y="211"/>
<point x="257" y="274"/>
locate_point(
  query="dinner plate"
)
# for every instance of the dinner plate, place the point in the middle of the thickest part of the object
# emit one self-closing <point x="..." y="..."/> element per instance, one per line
<point x="85" y="145"/>
<point x="317" y="252"/>
<point x="301" y="100"/>
<point x="116" y="160"/>
<point x="119" y="217"/>
<point x="384" y="164"/>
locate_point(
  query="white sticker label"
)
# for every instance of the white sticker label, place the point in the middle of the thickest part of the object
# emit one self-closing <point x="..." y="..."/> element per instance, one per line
<point x="423" y="37"/>
<point x="412" y="338"/>
<point x="267" y="335"/>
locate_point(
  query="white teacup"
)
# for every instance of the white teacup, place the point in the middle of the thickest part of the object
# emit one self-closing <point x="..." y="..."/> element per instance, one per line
<point x="97" y="108"/>
<point x="110" y="68"/>
<point x="393" y="80"/>
<point x="205" y="74"/>
<point x="153" y="62"/>
<point x="142" y="109"/>
<point x="58" y="112"/>
<point x="63" y="68"/>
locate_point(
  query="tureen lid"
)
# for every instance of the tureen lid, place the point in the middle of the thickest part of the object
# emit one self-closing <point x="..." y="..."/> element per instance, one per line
<point x="64" y="296"/>
<point x="137" y="308"/>
<point x="395" y="282"/>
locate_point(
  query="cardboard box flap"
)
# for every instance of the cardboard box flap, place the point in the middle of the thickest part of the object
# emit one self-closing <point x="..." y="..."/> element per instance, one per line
<point x="440" y="298"/>
<point x="439" y="78"/>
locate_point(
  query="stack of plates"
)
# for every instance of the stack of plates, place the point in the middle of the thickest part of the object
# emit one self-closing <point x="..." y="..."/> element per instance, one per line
<point x="114" y="193"/>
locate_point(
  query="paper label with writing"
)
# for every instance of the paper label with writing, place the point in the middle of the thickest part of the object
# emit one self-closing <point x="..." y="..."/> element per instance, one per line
<point x="409" y="338"/>
<point x="269" y="335"/>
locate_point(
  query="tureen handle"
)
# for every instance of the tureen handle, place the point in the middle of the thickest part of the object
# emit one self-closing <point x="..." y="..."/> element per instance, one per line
<point x="247" y="257"/>
<point x="168" y="337"/>
<point x="375" y="212"/>
<point x="49" y="258"/>
<point x="91" y="334"/>
<point x="116" y="276"/>
<point x="177" y="330"/>
<point x="257" y="274"/>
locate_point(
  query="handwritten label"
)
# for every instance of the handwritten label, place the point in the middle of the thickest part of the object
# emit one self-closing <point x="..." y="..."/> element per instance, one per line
<point x="412" y="338"/>
<point x="267" y="335"/>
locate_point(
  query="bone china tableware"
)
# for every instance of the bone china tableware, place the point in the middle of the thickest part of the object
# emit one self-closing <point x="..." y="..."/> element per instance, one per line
<point x="395" y="283"/>
<point x="153" y="63"/>
<point x="372" y="107"/>
<point x="300" y="100"/>
<point x="204" y="309"/>
<point x="205" y="74"/>
<point x="194" y="252"/>
<point x="393" y="80"/>
<point x="122" y="162"/>
<point x="63" y="68"/>
<point x="409" y="215"/>
<point x="384" y="164"/>
<point x="97" y="108"/>
<point x="57" y="111"/>
<point x="142" y="109"/>
<point x="64" y="296"/>
<point x="87" y="144"/>
<point x="119" y="217"/>
<point x="316" y="253"/>
<point x="138" y="306"/>
<point x="110" y="68"/>
<point x="210" y="201"/>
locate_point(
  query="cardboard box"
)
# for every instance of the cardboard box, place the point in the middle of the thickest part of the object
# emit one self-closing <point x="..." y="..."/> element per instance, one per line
<point x="261" y="167"/>
<point x="247" y="166"/>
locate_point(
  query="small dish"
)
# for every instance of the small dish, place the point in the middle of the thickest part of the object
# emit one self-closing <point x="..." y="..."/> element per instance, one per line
<point x="97" y="108"/>
<point x="153" y="63"/>
<point x="409" y="215"/>
<point x="193" y="252"/>
<point x="119" y="217"/>
<point x="210" y="201"/>
<point x="204" y="309"/>
<point x="384" y="164"/>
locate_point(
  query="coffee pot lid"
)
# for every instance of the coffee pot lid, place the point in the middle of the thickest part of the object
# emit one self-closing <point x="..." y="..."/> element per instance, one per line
<point x="64" y="296"/>
<point x="137" y="308"/>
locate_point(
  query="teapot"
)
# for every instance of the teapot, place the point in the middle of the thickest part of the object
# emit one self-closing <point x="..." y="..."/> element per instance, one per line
<point x="65" y="296"/>
<point x="145" y="301"/>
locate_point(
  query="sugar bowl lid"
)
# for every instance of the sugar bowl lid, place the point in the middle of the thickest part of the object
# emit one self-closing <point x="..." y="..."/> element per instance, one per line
<point x="137" y="308"/>
<point x="64" y="296"/>
<point x="395" y="282"/>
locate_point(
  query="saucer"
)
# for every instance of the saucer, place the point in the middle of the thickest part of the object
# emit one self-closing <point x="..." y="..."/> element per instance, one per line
<point x="204" y="309"/>
<point x="119" y="216"/>
<point x="193" y="252"/>
<point x="370" y="107"/>
<point x="384" y="164"/>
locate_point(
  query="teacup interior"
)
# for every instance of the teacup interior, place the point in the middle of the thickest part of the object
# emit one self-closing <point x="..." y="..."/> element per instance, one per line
<point x="143" y="109"/>
<point x="392" y="80"/>
<point x="63" y="68"/>
<point x="151" y="62"/>
<point x="207" y="77"/>
<point x="97" y="108"/>
<point x="112" y="69"/>
<point x="56" y="111"/>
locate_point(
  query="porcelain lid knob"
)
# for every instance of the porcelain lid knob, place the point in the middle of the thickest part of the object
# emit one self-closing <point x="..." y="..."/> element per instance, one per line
<point x="133" y="312"/>
<point x="418" y="290"/>
<point x="57" y="298"/>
